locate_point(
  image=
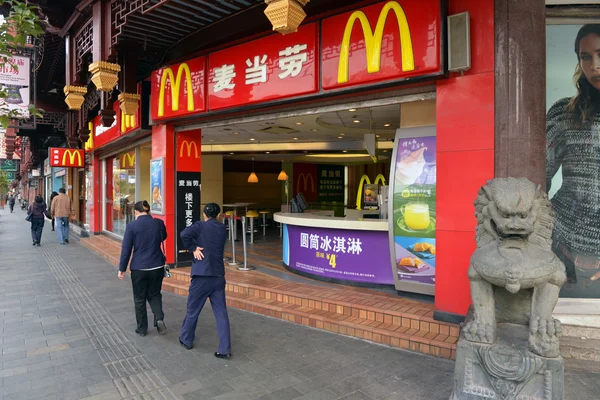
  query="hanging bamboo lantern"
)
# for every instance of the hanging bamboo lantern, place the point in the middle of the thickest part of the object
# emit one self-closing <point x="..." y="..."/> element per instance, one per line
<point x="285" y="15"/>
<point x="104" y="75"/>
<point x="129" y="103"/>
<point x="75" y="97"/>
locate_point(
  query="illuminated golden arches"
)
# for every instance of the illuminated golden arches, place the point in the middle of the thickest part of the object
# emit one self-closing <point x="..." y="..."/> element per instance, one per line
<point x="175" y="85"/>
<point x="364" y="179"/>
<point x="373" y="40"/>
<point x="379" y="178"/>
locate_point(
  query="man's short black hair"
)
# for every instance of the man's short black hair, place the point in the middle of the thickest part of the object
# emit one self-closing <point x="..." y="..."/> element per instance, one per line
<point x="62" y="190"/>
<point x="212" y="210"/>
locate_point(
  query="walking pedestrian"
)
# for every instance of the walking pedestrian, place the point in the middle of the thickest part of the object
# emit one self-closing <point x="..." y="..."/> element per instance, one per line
<point x="144" y="237"/>
<point x="38" y="211"/>
<point x="206" y="240"/>
<point x="52" y="196"/>
<point x="61" y="209"/>
<point x="11" y="203"/>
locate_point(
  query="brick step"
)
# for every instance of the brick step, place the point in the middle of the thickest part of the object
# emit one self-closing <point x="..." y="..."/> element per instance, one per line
<point x="580" y="349"/>
<point x="397" y="311"/>
<point x="440" y="344"/>
<point x="102" y="249"/>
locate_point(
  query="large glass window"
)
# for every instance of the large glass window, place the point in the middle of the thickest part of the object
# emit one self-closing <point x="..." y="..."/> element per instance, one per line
<point x="573" y="152"/>
<point x="123" y="191"/>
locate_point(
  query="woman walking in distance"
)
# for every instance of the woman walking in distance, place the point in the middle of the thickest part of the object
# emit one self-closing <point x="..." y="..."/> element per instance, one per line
<point x="573" y="142"/>
<point x="38" y="211"/>
<point x="144" y="237"/>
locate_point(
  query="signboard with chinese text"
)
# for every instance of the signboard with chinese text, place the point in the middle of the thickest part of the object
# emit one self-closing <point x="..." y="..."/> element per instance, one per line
<point x="16" y="82"/>
<point x="8" y="165"/>
<point x="179" y="89"/>
<point x="64" y="157"/>
<point x="339" y="254"/>
<point x="331" y="183"/>
<point x="157" y="186"/>
<point x="188" y="209"/>
<point x="271" y="68"/>
<point x="47" y="169"/>
<point x="387" y="41"/>
<point x="412" y="215"/>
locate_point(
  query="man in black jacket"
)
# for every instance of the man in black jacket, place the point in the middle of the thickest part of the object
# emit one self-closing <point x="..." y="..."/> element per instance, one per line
<point x="206" y="240"/>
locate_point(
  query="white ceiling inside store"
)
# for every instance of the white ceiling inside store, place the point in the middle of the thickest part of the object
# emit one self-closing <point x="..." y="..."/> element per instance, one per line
<point x="341" y="126"/>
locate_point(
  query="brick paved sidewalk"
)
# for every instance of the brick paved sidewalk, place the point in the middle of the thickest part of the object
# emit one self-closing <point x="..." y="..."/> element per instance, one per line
<point x="67" y="332"/>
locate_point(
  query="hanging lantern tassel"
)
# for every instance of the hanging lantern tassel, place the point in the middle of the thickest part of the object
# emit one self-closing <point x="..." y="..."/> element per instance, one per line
<point x="75" y="97"/>
<point x="285" y="15"/>
<point x="104" y="75"/>
<point x="129" y="103"/>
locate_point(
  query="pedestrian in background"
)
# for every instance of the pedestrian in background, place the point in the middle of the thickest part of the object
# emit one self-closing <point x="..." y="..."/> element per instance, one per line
<point x="61" y="209"/>
<point x="206" y="240"/>
<point x="11" y="203"/>
<point x="52" y="196"/>
<point x="144" y="237"/>
<point x="38" y="211"/>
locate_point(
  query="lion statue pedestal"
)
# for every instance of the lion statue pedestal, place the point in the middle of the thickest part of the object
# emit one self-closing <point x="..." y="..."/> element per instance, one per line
<point x="509" y="344"/>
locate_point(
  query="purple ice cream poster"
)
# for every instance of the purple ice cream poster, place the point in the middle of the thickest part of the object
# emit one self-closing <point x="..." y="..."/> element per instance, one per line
<point x="350" y="255"/>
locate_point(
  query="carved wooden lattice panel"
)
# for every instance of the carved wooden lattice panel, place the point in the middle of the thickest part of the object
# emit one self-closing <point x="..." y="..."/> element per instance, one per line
<point x="83" y="44"/>
<point x="120" y="9"/>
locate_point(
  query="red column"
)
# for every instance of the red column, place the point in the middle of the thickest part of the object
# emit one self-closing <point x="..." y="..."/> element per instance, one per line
<point x="95" y="204"/>
<point x="163" y="145"/>
<point x="465" y="159"/>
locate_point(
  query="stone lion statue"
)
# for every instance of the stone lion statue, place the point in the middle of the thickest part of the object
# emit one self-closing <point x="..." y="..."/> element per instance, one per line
<point x="514" y="275"/>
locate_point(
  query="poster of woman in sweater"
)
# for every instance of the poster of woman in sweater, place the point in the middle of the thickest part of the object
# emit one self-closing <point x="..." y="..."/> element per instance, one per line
<point x="573" y="153"/>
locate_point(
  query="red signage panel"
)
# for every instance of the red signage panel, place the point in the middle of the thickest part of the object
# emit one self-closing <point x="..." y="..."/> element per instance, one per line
<point x="70" y="158"/>
<point x="189" y="151"/>
<point x="392" y="40"/>
<point x="179" y="89"/>
<point x="271" y="68"/>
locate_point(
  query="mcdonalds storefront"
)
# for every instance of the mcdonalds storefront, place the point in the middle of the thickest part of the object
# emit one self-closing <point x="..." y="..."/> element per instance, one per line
<point x="379" y="57"/>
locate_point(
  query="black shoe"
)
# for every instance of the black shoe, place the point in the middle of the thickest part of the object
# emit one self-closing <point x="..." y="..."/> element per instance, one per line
<point x="161" y="327"/>
<point x="219" y="355"/>
<point x="142" y="334"/>
<point x="52" y="229"/>
<point x="38" y="243"/>
<point x="66" y="240"/>
<point x="34" y="243"/>
<point x="185" y="345"/>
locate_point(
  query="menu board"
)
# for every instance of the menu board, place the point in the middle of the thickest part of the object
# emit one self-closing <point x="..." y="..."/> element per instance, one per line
<point x="331" y="183"/>
<point x="412" y="215"/>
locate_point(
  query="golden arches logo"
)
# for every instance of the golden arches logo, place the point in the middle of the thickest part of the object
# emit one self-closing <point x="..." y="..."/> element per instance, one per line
<point x="189" y="145"/>
<point x="129" y="157"/>
<point x="175" y="85"/>
<point x="373" y="40"/>
<point x="127" y="121"/>
<point x="305" y="178"/>
<point x="72" y="154"/>
<point x="89" y="145"/>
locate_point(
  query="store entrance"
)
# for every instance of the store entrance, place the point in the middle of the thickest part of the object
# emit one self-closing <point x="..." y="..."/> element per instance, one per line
<point x="330" y="164"/>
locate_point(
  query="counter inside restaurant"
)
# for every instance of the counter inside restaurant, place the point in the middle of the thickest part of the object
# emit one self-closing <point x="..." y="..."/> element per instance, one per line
<point x="353" y="250"/>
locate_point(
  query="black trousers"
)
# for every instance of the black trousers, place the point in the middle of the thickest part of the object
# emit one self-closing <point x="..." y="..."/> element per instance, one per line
<point x="37" y="226"/>
<point x="146" y="288"/>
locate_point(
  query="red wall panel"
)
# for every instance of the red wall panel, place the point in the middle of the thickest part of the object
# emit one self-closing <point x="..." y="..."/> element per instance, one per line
<point x="163" y="145"/>
<point x="465" y="134"/>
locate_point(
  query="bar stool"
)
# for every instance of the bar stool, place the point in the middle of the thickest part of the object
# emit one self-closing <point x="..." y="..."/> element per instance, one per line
<point x="264" y="214"/>
<point x="251" y="215"/>
<point x="230" y="214"/>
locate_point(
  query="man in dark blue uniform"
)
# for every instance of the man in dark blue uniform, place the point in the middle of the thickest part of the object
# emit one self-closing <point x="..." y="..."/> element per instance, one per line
<point x="206" y="240"/>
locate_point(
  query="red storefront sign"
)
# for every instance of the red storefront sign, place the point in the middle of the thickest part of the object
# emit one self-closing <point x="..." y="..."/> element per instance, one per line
<point x="62" y="157"/>
<point x="392" y="40"/>
<point x="271" y="68"/>
<point x="171" y="88"/>
<point x="188" y="151"/>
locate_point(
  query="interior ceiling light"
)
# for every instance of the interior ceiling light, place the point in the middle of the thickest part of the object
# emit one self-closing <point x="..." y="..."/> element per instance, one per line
<point x="252" y="139"/>
<point x="342" y="134"/>
<point x="252" y="178"/>
<point x="236" y="133"/>
<point x="344" y="151"/>
<point x="282" y="175"/>
<point x="299" y="123"/>
<point x="340" y="137"/>
<point x="267" y="152"/>
<point x="387" y="125"/>
<point x="295" y="138"/>
<point x="377" y="135"/>
<point x="352" y="109"/>
<point x="356" y="121"/>
<point x="314" y="130"/>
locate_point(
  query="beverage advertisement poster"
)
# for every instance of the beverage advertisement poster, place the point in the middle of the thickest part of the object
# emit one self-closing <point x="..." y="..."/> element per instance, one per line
<point x="413" y="214"/>
<point x="157" y="180"/>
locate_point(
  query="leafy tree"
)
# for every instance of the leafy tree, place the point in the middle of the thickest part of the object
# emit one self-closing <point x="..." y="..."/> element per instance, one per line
<point x="4" y="182"/>
<point x="21" y="22"/>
